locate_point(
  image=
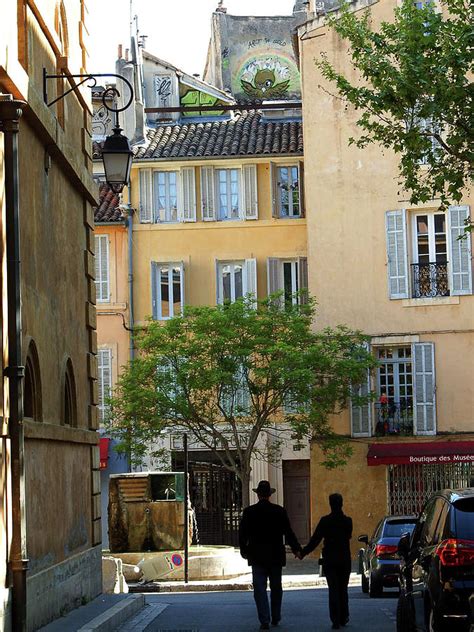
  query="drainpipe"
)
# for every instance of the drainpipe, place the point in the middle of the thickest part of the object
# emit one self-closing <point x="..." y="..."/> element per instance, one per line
<point x="10" y="113"/>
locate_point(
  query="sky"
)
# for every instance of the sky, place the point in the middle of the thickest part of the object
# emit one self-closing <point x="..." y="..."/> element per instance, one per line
<point x="178" y="30"/>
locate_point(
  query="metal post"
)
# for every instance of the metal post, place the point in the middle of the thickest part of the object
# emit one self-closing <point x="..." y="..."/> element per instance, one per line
<point x="186" y="512"/>
<point x="10" y="113"/>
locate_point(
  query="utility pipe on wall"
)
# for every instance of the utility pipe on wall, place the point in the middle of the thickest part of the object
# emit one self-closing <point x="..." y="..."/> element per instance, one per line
<point x="10" y="113"/>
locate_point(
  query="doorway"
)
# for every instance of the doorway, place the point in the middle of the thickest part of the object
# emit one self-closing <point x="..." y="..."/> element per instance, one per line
<point x="296" y="489"/>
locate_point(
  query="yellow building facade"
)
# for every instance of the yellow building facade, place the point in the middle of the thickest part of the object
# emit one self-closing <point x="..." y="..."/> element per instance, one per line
<point x="400" y="274"/>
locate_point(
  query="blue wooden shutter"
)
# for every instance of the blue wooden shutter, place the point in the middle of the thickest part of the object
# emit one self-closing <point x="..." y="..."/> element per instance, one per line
<point x="424" y="389"/>
<point x="460" y="263"/>
<point x="397" y="268"/>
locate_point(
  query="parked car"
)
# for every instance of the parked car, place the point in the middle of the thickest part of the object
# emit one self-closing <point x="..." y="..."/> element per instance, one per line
<point x="437" y="566"/>
<point x="378" y="561"/>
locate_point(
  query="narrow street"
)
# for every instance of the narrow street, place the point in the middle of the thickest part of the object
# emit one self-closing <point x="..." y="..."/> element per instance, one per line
<point x="303" y="609"/>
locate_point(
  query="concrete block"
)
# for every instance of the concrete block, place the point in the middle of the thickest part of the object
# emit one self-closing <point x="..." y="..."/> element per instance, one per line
<point x="132" y="573"/>
<point x="113" y="581"/>
<point x="115" y="616"/>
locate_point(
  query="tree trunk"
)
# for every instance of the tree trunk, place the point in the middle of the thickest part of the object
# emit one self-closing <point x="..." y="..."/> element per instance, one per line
<point x="245" y="480"/>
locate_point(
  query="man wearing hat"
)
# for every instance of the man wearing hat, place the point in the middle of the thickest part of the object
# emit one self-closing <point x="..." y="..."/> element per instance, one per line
<point x="262" y="529"/>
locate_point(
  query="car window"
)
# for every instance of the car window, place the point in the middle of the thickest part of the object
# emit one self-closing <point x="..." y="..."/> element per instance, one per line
<point x="432" y="514"/>
<point x="441" y="527"/>
<point x="396" y="528"/>
<point x="464" y="519"/>
<point x="377" y="531"/>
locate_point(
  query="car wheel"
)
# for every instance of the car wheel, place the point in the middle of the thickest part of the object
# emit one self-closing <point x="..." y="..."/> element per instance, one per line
<point x="375" y="586"/>
<point x="364" y="583"/>
<point x="405" y="621"/>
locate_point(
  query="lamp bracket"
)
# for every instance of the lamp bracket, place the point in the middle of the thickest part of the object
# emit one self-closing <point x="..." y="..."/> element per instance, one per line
<point x="92" y="78"/>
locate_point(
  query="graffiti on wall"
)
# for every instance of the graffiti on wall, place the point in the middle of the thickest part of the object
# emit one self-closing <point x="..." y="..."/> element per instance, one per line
<point x="191" y="97"/>
<point x="163" y="90"/>
<point x="101" y="122"/>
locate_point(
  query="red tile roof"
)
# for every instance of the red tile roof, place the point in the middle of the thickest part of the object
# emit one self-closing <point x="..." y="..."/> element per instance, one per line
<point x="108" y="210"/>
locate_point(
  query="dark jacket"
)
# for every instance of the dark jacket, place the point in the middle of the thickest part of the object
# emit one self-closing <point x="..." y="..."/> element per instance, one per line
<point x="261" y="532"/>
<point x="336" y="530"/>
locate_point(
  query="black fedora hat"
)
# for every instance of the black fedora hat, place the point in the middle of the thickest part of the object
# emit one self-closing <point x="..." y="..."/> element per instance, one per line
<point x="264" y="489"/>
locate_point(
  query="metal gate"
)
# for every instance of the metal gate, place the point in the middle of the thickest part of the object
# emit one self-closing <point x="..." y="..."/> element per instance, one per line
<point x="216" y="496"/>
<point x="410" y="485"/>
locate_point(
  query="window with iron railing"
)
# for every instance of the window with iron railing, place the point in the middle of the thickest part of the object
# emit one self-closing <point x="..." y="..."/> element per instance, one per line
<point x="394" y="404"/>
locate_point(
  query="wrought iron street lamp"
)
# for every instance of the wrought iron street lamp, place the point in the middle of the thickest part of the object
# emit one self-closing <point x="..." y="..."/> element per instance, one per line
<point x="117" y="154"/>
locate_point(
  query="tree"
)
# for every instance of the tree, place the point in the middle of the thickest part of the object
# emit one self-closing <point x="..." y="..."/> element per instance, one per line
<point x="227" y="373"/>
<point x="415" y="92"/>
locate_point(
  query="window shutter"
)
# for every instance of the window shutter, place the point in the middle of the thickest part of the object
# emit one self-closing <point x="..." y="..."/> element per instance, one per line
<point x="460" y="263"/>
<point x="397" y="254"/>
<point x="249" y="189"/>
<point x="301" y="189"/>
<point x="182" y="286"/>
<point x="251" y="276"/>
<point x="361" y="416"/>
<point x="154" y="289"/>
<point x="188" y="195"/>
<point x="274" y="281"/>
<point x="102" y="268"/>
<point x="145" y="205"/>
<point x="303" y="280"/>
<point x="104" y="367"/>
<point x="274" y="189"/>
<point x="424" y="388"/>
<point x="208" y="196"/>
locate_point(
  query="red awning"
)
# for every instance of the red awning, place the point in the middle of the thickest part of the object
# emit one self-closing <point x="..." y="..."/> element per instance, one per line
<point x="104" y="452"/>
<point x="424" y="452"/>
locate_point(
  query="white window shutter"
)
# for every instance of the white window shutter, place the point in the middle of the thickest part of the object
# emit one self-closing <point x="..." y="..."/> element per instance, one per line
<point x="104" y="374"/>
<point x="397" y="267"/>
<point x="303" y="279"/>
<point x="301" y="188"/>
<point x="182" y="287"/>
<point x="424" y="389"/>
<point x="460" y="262"/>
<point x="249" y="190"/>
<point x="251" y="277"/>
<point x="274" y="275"/>
<point x="102" y="276"/>
<point x="155" y="279"/>
<point x="208" y="194"/>
<point x="274" y="189"/>
<point x="146" y="198"/>
<point x="188" y="195"/>
<point x="361" y="416"/>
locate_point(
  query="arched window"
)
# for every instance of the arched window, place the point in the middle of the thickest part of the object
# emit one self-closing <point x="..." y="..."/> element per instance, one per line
<point x="32" y="400"/>
<point x="69" y="416"/>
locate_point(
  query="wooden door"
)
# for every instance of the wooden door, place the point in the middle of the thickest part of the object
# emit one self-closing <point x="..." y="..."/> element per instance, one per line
<point x="296" y="490"/>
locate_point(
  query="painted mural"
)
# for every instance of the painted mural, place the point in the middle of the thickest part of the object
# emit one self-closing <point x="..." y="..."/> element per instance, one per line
<point x="191" y="97"/>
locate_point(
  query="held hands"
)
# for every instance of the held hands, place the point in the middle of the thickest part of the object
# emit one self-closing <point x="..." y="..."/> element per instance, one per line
<point x="299" y="555"/>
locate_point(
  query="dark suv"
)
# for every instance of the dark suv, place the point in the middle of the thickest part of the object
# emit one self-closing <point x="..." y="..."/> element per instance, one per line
<point x="437" y="565"/>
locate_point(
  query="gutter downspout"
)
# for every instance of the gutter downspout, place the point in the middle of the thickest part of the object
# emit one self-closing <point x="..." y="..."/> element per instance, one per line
<point x="10" y="113"/>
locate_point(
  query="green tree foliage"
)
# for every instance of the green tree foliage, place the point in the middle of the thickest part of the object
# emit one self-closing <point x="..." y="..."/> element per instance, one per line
<point x="226" y="373"/>
<point x="415" y="94"/>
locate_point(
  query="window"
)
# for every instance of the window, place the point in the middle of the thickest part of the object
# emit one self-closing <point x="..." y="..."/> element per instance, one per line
<point x="102" y="276"/>
<point x="405" y="394"/>
<point x="167" y="196"/>
<point x="235" y="399"/>
<point x="104" y="376"/>
<point x="32" y="400"/>
<point x="236" y="279"/>
<point x="432" y="147"/>
<point x="228" y="193"/>
<point x="288" y="276"/>
<point x="441" y="262"/>
<point x="287" y="182"/>
<point x="167" y="290"/>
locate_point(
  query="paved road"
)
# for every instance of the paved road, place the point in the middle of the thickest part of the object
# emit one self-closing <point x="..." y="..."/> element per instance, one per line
<point x="304" y="610"/>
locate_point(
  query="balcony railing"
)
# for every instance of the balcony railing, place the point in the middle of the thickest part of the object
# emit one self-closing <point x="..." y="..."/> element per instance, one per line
<point x="394" y="418"/>
<point x="430" y="279"/>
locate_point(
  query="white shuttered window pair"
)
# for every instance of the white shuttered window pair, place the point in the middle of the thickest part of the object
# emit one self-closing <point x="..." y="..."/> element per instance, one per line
<point x="229" y="193"/>
<point x="428" y="276"/>
<point x="288" y="276"/>
<point x="167" y="195"/>
<point x="236" y="279"/>
<point x="102" y="268"/>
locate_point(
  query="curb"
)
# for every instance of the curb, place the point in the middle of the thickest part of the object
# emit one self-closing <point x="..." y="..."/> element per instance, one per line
<point x="175" y="586"/>
<point x="116" y="615"/>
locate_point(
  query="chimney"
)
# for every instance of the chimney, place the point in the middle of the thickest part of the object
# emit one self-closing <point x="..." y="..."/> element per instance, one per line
<point x="120" y="51"/>
<point x="127" y="50"/>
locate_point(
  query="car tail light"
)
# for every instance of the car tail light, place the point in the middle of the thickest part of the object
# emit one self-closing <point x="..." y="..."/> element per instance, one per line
<point x="385" y="549"/>
<point x="456" y="552"/>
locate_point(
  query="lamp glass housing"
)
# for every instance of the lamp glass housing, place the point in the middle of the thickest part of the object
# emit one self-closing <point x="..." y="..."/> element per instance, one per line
<point x="117" y="156"/>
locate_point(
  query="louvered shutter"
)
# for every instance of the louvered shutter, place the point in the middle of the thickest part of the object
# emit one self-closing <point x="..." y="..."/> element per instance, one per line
<point x="303" y="280"/>
<point x="188" y="195"/>
<point x="208" y="194"/>
<point x="361" y="416"/>
<point x="274" y="189"/>
<point x="397" y="267"/>
<point x="301" y="188"/>
<point x="104" y="372"/>
<point x="274" y="281"/>
<point x="146" y="199"/>
<point x="155" y="279"/>
<point x="249" y="189"/>
<point x="251" y="277"/>
<point x="424" y="407"/>
<point x="102" y="282"/>
<point x="460" y="262"/>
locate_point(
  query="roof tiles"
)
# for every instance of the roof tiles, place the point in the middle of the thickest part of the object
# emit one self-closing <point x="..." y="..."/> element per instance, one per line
<point x="108" y="210"/>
